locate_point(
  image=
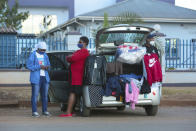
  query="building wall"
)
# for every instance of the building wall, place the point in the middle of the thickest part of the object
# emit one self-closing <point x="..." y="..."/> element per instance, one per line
<point x="35" y="21"/>
<point x="179" y="77"/>
<point x="69" y="4"/>
<point x="176" y="30"/>
<point x="172" y="30"/>
<point x="169" y="1"/>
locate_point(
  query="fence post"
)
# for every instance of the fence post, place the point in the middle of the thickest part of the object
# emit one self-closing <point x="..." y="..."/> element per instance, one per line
<point x="183" y="53"/>
<point x="190" y="43"/>
<point x="169" y="52"/>
<point x="7" y="41"/>
<point x="186" y="53"/>
<point x="194" y="55"/>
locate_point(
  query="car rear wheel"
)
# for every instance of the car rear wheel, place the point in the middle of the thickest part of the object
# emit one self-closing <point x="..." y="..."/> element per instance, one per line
<point x="151" y="110"/>
<point x="84" y="111"/>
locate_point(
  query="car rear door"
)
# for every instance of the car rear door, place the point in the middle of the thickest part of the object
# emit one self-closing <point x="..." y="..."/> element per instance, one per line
<point x="59" y="75"/>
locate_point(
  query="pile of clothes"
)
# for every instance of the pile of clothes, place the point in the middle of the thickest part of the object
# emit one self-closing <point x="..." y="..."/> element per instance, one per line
<point x="111" y="78"/>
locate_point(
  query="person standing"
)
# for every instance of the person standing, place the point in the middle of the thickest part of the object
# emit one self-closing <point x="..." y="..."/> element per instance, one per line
<point x="77" y="60"/>
<point x="150" y="44"/>
<point x="38" y="63"/>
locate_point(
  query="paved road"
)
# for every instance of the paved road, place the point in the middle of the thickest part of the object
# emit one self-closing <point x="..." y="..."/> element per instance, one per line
<point x="168" y="119"/>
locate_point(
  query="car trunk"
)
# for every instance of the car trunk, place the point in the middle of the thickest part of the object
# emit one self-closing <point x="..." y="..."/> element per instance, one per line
<point x="109" y="39"/>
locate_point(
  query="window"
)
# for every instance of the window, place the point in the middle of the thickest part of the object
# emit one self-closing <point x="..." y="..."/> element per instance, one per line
<point x="35" y="23"/>
<point x="193" y="40"/>
<point x="56" y="63"/>
<point x="172" y="48"/>
<point x="125" y="37"/>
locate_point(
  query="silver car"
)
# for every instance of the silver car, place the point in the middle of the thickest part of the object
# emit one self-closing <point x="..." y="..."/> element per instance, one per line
<point x="107" y="41"/>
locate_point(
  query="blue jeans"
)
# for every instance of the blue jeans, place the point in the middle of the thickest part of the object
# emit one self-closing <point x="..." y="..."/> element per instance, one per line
<point x="42" y="87"/>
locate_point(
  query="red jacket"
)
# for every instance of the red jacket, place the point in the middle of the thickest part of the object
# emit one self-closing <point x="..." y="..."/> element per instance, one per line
<point x="77" y="60"/>
<point x="153" y="68"/>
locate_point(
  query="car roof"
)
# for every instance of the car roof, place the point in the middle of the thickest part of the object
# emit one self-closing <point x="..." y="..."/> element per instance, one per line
<point x="65" y="51"/>
<point x="126" y="28"/>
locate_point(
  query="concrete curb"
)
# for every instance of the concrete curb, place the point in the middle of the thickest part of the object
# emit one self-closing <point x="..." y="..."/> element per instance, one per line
<point x="162" y="104"/>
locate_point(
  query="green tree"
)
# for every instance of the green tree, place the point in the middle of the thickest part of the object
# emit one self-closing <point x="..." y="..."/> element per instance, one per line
<point x="127" y="18"/>
<point x="105" y="21"/>
<point x="10" y="17"/>
<point x="124" y="18"/>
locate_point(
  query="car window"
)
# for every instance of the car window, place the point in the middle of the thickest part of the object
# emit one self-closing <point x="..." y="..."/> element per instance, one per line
<point x="124" y="37"/>
<point x="56" y="63"/>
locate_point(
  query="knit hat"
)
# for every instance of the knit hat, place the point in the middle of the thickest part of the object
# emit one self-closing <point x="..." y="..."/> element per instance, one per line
<point x="41" y="45"/>
<point x="150" y="36"/>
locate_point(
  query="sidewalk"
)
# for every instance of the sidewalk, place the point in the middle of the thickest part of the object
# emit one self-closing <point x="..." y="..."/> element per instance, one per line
<point x="171" y="96"/>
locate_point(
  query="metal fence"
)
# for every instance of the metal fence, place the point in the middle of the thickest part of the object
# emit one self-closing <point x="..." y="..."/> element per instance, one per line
<point x="7" y="51"/>
<point x="180" y="54"/>
<point x="15" y="50"/>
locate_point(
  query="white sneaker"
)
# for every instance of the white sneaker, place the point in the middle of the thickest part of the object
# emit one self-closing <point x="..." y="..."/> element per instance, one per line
<point x="46" y="113"/>
<point x="35" y="114"/>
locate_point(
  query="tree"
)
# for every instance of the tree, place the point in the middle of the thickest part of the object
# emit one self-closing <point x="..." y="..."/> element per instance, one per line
<point x="124" y="18"/>
<point x="10" y="17"/>
<point x="127" y="18"/>
<point x="105" y="21"/>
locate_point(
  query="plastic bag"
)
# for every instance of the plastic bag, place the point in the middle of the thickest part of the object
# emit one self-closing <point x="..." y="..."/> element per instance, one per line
<point x="130" y="54"/>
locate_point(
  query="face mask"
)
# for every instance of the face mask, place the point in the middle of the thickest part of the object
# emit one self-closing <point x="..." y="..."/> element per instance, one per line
<point x="80" y="45"/>
<point x="41" y="53"/>
<point x="152" y="43"/>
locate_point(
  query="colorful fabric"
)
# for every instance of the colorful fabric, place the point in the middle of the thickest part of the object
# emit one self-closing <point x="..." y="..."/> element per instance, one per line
<point x="77" y="60"/>
<point x="41" y="62"/>
<point x="34" y="66"/>
<point x="132" y="97"/>
<point x="153" y="68"/>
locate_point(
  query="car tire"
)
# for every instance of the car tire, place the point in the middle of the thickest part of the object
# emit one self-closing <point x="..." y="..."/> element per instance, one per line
<point x="84" y="111"/>
<point x="121" y="108"/>
<point x="151" y="110"/>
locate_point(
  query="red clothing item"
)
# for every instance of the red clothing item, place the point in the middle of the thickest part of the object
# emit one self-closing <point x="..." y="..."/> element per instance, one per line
<point x="77" y="60"/>
<point x="153" y="68"/>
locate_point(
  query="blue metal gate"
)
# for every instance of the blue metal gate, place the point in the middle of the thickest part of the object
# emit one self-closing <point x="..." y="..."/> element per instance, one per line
<point x="8" y="51"/>
<point x="180" y="54"/>
<point x="16" y="50"/>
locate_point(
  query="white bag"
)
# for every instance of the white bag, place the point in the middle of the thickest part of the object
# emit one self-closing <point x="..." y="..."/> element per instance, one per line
<point x="130" y="54"/>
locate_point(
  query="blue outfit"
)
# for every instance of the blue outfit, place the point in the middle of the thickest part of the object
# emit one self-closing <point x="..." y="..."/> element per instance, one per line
<point x="34" y="67"/>
<point x="43" y="88"/>
<point x="38" y="83"/>
<point x="127" y="81"/>
<point x="113" y="84"/>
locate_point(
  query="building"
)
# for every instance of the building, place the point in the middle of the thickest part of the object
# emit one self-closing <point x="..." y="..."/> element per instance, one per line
<point x="54" y="12"/>
<point x="176" y="22"/>
<point x="57" y="12"/>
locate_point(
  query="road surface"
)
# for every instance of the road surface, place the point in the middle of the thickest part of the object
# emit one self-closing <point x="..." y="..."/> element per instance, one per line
<point x="167" y="119"/>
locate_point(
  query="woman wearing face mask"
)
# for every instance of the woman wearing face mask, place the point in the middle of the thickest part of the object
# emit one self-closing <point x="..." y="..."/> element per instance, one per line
<point x="77" y="61"/>
<point x="150" y="45"/>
